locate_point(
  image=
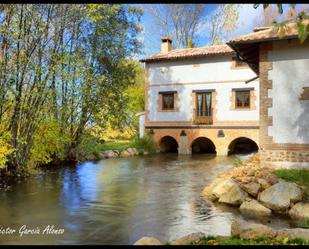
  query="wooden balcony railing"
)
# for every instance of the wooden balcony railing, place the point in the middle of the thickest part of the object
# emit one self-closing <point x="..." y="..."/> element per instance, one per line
<point x="202" y="119"/>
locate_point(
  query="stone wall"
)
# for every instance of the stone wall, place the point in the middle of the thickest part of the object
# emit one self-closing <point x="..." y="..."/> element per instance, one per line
<point x="221" y="143"/>
<point x="283" y="116"/>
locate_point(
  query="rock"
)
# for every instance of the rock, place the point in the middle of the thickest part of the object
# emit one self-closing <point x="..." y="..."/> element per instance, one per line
<point x="254" y="208"/>
<point x="124" y="153"/>
<point x="188" y="239"/>
<point x="294" y="233"/>
<point x="234" y="196"/>
<point x="263" y="183"/>
<point x="251" y="188"/>
<point x="300" y="211"/>
<point x="148" y="241"/>
<point x="108" y="154"/>
<point x="132" y="151"/>
<point x="248" y="230"/>
<point x="208" y="191"/>
<point x="279" y="196"/>
<point x="223" y="187"/>
<point x="91" y="157"/>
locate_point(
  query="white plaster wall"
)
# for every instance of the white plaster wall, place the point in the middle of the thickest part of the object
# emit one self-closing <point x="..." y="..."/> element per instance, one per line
<point x="290" y="74"/>
<point x="190" y="78"/>
<point x="217" y="68"/>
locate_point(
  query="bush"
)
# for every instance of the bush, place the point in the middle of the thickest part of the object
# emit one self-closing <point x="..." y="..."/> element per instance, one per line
<point x="48" y="144"/>
<point x="90" y="145"/>
<point x="146" y="143"/>
<point x="5" y="148"/>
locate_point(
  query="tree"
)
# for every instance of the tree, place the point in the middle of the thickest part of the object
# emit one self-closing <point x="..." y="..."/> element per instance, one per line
<point x="301" y="20"/>
<point x="60" y="66"/>
<point x="267" y="19"/>
<point x="178" y="21"/>
<point x="222" y="22"/>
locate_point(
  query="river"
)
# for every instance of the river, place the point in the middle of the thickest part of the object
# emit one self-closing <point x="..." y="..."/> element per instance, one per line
<point x="117" y="201"/>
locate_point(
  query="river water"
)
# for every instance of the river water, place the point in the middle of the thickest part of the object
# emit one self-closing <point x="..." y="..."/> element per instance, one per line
<point x="118" y="201"/>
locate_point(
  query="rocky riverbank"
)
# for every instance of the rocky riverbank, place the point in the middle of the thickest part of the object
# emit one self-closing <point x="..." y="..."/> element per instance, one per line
<point x="257" y="192"/>
<point x="242" y="232"/>
<point x="129" y="152"/>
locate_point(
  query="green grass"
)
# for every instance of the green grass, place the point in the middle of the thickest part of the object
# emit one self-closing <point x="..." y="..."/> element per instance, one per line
<point x="304" y="224"/>
<point x="237" y="162"/>
<point x="299" y="176"/>
<point x="146" y="144"/>
<point x="260" y="241"/>
<point x="116" y="144"/>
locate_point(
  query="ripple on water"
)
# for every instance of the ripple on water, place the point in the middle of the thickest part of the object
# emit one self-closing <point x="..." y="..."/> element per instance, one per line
<point x="118" y="201"/>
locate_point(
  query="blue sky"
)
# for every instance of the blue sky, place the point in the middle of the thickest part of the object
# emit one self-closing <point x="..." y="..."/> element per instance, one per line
<point x="151" y="39"/>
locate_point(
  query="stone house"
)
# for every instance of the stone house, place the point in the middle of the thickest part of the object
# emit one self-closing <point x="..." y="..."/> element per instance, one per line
<point x="282" y="64"/>
<point x="201" y="100"/>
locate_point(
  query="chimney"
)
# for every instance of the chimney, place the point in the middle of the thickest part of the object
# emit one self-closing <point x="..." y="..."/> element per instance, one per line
<point x="166" y="45"/>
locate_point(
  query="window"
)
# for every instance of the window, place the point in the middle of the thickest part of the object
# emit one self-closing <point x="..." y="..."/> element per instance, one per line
<point x="242" y="99"/>
<point x="203" y="104"/>
<point x="167" y="101"/>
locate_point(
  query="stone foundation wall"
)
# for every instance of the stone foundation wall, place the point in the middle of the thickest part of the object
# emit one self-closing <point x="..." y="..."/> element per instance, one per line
<point x="221" y="143"/>
<point x="284" y="156"/>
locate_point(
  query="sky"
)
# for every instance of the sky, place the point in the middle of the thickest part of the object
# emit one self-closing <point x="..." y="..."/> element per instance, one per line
<point x="151" y="39"/>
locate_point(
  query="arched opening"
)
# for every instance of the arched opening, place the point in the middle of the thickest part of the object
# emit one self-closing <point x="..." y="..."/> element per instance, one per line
<point x="168" y="145"/>
<point x="203" y="145"/>
<point x="242" y="145"/>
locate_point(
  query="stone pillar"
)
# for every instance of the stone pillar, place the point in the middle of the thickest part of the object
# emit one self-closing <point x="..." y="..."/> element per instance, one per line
<point x="183" y="148"/>
<point x="222" y="145"/>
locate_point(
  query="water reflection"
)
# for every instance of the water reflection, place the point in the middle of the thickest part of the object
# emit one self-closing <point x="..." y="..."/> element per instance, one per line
<point x="117" y="201"/>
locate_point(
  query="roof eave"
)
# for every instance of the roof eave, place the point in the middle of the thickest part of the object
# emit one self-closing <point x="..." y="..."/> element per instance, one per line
<point x="183" y="57"/>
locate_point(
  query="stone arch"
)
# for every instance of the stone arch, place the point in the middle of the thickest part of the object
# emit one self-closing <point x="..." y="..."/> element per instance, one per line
<point x="203" y="145"/>
<point x="168" y="144"/>
<point x="242" y="145"/>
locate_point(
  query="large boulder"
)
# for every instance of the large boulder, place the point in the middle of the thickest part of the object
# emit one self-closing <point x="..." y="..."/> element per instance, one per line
<point x="188" y="239"/>
<point x="124" y="153"/>
<point x="254" y="208"/>
<point x="148" y="241"/>
<point x="108" y="154"/>
<point x="208" y="191"/>
<point x="223" y="187"/>
<point x="132" y="151"/>
<point x="249" y="230"/>
<point x="251" y="188"/>
<point x="279" y="196"/>
<point x="234" y="196"/>
<point x="300" y="211"/>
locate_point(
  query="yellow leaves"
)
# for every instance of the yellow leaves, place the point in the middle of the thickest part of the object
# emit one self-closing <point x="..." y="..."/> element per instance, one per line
<point x="48" y="141"/>
<point x="5" y="148"/>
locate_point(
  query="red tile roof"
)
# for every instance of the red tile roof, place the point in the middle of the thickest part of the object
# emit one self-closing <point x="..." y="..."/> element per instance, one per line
<point x="267" y="34"/>
<point x="190" y="53"/>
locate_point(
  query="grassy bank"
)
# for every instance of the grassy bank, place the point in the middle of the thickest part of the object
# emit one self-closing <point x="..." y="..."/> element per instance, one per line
<point x="92" y="147"/>
<point x="299" y="176"/>
<point x="238" y="241"/>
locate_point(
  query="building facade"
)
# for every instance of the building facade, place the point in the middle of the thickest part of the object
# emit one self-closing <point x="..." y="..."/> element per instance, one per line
<point x="282" y="64"/>
<point x="197" y="100"/>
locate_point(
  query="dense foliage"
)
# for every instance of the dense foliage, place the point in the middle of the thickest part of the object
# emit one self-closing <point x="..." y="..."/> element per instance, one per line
<point x="63" y="68"/>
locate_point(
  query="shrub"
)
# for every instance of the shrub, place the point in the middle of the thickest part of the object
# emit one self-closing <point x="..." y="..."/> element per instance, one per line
<point x="48" y="143"/>
<point x="146" y="143"/>
<point x="5" y="148"/>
